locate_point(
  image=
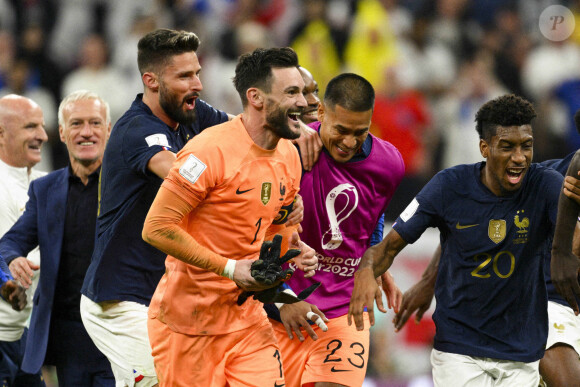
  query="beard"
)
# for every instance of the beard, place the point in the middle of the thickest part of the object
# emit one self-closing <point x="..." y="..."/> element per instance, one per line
<point x="277" y="121"/>
<point x="174" y="108"/>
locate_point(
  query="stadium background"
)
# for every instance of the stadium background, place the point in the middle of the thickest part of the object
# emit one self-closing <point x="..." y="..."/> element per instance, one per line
<point x="432" y="62"/>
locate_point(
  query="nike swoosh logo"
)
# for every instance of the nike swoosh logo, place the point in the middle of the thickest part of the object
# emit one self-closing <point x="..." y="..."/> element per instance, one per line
<point x="238" y="192"/>
<point x="461" y="227"/>
<point x="279" y="385"/>
<point x="335" y="370"/>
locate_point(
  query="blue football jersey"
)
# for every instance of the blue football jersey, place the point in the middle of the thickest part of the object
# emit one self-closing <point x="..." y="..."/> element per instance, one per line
<point x="123" y="266"/>
<point x="490" y="289"/>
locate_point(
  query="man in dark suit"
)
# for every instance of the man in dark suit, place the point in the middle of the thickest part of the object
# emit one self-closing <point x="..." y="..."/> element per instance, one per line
<point x="60" y="218"/>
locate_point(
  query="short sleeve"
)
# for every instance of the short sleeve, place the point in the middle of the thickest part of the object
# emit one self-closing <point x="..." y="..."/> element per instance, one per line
<point x="144" y="138"/>
<point x="423" y="211"/>
<point x="196" y="171"/>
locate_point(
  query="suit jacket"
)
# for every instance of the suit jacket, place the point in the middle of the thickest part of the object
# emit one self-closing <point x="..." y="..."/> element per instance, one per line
<point x="42" y="224"/>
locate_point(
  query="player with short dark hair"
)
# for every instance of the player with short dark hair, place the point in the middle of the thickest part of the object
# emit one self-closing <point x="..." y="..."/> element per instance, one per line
<point x="495" y="218"/>
<point x="124" y="269"/>
<point x="156" y="49"/>
<point x="345" y="196"/>
<point x="560" y="365"/>
<point x="510" y="110"/>
<point x="221" y="199"/>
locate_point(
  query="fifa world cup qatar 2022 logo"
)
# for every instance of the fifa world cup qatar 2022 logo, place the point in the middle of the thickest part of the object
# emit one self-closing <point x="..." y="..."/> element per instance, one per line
<point x="340" y="202"/>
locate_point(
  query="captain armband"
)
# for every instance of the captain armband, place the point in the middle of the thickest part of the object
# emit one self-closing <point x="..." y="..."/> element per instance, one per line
<point x="282" y="216"/>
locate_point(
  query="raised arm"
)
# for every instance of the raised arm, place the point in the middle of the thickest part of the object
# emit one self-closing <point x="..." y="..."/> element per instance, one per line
<point x="565" y="265"/>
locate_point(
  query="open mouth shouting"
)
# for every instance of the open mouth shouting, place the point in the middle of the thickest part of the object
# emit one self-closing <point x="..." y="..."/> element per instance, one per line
<point x="294" y="116"/>
<point x="189" y="101"/>
<point x="515" y="175"/>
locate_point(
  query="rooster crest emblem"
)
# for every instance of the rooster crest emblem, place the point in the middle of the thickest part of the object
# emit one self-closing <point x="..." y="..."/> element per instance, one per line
<point x="522" y="224"/>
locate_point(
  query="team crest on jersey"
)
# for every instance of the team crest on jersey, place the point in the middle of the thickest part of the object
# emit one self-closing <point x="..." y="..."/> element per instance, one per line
<point x="266" y="193"/>
<point x="523" y="224"/>
<point x="496" y="230"/>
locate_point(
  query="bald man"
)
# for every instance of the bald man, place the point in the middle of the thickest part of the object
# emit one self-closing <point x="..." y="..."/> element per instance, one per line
<point x="21" y="137"/>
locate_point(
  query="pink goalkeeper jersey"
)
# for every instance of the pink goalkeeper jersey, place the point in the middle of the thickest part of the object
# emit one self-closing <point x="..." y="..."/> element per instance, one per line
<point x="342" y="205"/>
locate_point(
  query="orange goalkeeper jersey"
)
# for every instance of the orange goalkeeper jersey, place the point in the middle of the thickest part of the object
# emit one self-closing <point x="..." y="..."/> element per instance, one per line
<point x="237" y="190"/>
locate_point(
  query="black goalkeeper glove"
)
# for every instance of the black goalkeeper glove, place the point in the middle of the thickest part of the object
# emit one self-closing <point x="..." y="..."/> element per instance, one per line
<point x="268" y="268"/>
<point x="276" y="295"/>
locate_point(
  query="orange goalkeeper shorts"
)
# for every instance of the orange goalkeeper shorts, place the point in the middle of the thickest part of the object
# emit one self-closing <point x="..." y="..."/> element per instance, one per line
<point x="340" y="355"/>
<point x="249" y="357"/>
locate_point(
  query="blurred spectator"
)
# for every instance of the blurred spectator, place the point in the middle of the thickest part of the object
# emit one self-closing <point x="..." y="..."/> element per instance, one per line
<point x="7" y="16"/>
<point x="119" y="18"/>
<point x="575" y="8"/>
<point x="529" y="11"/>
<point x="400" y="19"/>
<point x="484" y="11"/>
<point x="424" y="64"/>
<point x="16" y="15"/>
<point x="372" y="43"/>
<point x="8" y="53"/>
<point x="219" y="68"/>
<point x="561" y="58"/>
<point x="20" y="82"/>
<point x="317" y="43"/>
<point x="568" y="92"/>
<point x="510" y="47"/>
<point x="455" y="114"/>
<point x="545" y="69"/>
<point x="76" y="19"/>
<point x="43" y="69"/>
<point x="125" y="54"/>
<point x="449" y="25"/>
<point x="96" y="75"/>
<point x="402" y="117"/>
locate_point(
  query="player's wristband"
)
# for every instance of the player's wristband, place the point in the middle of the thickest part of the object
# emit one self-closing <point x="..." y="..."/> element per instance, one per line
<point x="229" y="269"/>
<point x="289" y="291"/>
